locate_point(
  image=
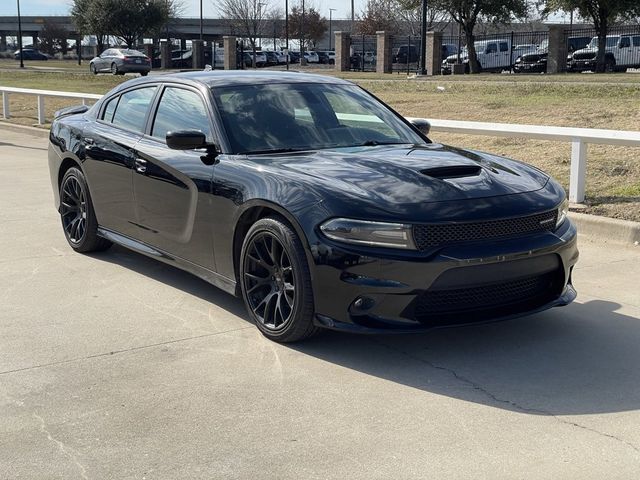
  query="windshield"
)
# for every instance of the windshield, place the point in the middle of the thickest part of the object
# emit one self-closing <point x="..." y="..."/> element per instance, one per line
<point x="611" y="42"/>
<point x="290" y="117"/>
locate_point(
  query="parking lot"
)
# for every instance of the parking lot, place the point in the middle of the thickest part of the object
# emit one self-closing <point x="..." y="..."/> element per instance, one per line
<point x="115" y="366"/>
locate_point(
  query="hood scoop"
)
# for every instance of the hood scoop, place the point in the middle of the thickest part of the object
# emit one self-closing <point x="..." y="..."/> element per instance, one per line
<point x="453" y="171"/>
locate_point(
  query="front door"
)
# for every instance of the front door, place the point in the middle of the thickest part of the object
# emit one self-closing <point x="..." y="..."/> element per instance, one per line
<point x="172" y="187"/>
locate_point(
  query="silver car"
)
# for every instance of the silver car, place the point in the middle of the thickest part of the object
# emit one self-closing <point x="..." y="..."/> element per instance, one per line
<point x="119" y="61"/>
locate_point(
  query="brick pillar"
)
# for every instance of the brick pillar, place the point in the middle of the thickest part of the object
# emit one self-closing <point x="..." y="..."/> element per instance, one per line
<point x="165" y="53"/>
<point x="557" y="59"/>
<point x="230" y="59"/>
<point x="3" y="43"/>
<point x="383" y="62"/>
<point x="198" y="54"/>
<point x="434" y="53"/>
<point x="343" y="51"/>
<point x="148" y="50"/>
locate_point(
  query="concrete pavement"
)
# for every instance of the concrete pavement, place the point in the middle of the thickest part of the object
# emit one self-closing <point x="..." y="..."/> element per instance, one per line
<point x="115" y="366"/>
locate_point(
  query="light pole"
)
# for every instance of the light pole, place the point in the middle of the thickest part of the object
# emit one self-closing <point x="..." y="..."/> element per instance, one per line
<point x="302" y="62"/>
<point x="20" y="36"/>
<point x="423" y="47"/>
<point x="201" y="30"/>
<point x="286" y="30"/>
<point x="331" y="10"/>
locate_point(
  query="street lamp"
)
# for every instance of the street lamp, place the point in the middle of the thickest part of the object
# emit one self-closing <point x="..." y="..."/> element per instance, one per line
<point x="20" y="36"/>
<point x="302" y="62"/>
<point x="331" y="10"/>
<point x="201" y="32"/>
<point x="423" y="48"/>
<point x="286" y="30"/>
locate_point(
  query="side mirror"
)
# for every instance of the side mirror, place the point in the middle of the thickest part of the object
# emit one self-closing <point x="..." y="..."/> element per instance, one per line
<point x="423" y="126"/>
<point x="186" y="140"/>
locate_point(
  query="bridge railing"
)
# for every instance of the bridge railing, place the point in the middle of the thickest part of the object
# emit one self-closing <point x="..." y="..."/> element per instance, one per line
<point x="578" y="137"/>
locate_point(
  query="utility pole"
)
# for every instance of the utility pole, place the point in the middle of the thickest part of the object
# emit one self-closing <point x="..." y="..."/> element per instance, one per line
<point x="331" y="10"/>
<point x="286" y="30"/>
<point x="353" y="15"/>
<point x="201" y="30"/>
<point x="302" y="62"/>
<point x="423" y="35"/>
<point x="20" y="36"/>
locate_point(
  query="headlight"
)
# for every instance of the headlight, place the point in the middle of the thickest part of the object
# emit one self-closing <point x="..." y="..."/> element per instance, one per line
<point x="375" y="234"/>
<point x="563" y="211"/>
<point x="519" y="60"/>
<point x="569" y="57"/>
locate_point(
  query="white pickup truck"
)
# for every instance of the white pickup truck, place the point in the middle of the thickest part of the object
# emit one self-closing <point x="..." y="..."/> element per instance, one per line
<point x="494" y="55"/>
<point x="621" y="52"/>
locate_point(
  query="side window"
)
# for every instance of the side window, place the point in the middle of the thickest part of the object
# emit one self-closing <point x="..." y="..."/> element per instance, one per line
<point x="180" y="109"/>
<point x="492" y="48"/>
<point x="107" y="116"/>
<point x="504" y="47"/>
<point x="625" y="42"/>
<point x="636" y="41"/>
<point x="132" y="109"/>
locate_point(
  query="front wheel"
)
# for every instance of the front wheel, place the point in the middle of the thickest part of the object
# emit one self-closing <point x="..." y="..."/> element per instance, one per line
<point x="144" y="74"/>
<point x="114" y="69"/>
<point x="92" y="67"/>
<point x="276" y="283"/>
<point x="77" y="215"/>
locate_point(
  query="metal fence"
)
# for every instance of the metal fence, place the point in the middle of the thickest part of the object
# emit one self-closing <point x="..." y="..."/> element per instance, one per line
<point x="622" y="49"/>
<point x="364" y="53"/>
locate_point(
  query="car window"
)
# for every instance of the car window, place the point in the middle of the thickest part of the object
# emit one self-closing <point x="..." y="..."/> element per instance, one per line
<point x="504" y="47"/>
<point x="492" y="48"/>
<point x="625" y="42"/>
<point x="180" y="109"/>
<point x="636" y="41"/>
<point x="107" y="116"/>
<point x="132" y="109"/>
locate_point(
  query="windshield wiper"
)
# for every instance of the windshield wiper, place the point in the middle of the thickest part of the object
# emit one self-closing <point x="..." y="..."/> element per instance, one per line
<point x="274" y="150"/>
<point x="375" y="143"/>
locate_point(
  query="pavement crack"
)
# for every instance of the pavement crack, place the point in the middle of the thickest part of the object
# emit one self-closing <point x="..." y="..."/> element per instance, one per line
<point x="515" y="405"/>
<point x="66" y="450"/>
<point x="125" y="350"/>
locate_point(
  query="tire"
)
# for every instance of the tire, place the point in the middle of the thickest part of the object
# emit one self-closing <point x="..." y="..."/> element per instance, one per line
<point x="114" y="69"/>
<point x="609" y="65"/>
<point x="144" y="74"/>
<point x="78" y="218"/>
<point x="92" y="67"/>
<point x="276" y="283"/>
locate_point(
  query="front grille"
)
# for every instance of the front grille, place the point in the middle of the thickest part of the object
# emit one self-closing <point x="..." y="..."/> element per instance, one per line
<point x="465" y="305"/>
<point x="434" y="235"/>
<point x="584" y="55"/>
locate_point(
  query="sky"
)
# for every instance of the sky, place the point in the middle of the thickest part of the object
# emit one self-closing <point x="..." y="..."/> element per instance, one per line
<point x="192" y="7"/>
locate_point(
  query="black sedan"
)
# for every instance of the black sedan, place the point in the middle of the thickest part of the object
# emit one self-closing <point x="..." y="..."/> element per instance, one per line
<point x="316" y="203"/>
<point x="534" y="62"/>
<point x="119" y="61"/>
<point x="30" y="54"/>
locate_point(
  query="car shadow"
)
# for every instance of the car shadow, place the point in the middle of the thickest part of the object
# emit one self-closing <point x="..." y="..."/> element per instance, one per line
<point x="577" y="360"/>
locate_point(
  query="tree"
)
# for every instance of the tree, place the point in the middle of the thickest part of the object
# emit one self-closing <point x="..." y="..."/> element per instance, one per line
<point x="247" y="18"/>
<point x="129" y="20"/>
<point x="398" y="16"/>
<point x="53" y="38"/>
<point x="410" y="16"/>
<point x="603" y="13"/>
<point x="309" y="32"/>
<point x="467" y="13"/>
<point x="378" y="15"/>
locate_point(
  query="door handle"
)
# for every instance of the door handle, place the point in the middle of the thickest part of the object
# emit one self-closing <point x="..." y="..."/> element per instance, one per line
<point x="141" y="165"/>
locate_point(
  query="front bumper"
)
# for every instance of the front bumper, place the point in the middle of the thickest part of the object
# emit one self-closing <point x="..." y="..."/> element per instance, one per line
<point x="536" y="67"/>
<point x="581" y="65"/>
<point x="457" y="285"/>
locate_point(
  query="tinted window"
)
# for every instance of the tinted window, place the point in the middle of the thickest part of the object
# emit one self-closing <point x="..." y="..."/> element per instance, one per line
<point x="132" y="109"/>
<point x="109" y="109"/>
<point x="504" y="47"/>
<point x="625" y="42"/>
<point x="492" y="48"/>
<point x="180" y="109"/>
<point x="636" y="41"/>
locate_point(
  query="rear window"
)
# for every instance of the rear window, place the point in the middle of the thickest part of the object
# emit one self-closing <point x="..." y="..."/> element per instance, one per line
<point x="636" y="41"/>
<point x="132" y="109"/>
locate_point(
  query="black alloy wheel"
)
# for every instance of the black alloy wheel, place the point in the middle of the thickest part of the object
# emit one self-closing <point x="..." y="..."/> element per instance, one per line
<point x="275" y="281"/>
<point x="77" y="214"/>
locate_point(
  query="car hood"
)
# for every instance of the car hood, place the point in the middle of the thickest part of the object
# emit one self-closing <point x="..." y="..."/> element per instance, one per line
<point x="404" y="175"/>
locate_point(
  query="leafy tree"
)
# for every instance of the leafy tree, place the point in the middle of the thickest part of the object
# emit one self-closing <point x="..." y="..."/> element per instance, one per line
<point x="91" y="19"/>
<point x="378" y="15"/>
<point x="53" y="38"/>
<point x="467" y="13"/>
<point x="603" y="13"/>
<point x="311" y="31"/>
<point x="247" y="17"/>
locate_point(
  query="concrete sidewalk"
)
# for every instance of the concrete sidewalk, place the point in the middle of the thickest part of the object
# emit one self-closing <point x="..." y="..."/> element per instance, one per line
<point x="115" y="366"/>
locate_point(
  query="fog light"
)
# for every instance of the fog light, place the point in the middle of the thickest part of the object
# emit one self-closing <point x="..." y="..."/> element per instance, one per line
<point x="363" y="303"/>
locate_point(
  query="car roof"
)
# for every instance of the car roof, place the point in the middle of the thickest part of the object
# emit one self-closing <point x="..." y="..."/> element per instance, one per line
<point x="221" y="78"/>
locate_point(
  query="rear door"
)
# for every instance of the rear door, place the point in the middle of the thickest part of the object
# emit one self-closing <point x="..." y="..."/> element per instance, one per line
<point x="635" y="41"/>
<point x="172" y="187"/>
<point x="109" y="157"/>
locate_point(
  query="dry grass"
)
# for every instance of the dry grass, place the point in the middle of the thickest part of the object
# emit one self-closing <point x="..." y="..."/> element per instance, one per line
<point x="613" y="173"/>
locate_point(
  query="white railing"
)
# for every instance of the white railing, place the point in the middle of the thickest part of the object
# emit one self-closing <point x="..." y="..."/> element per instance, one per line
<point x="40" y="96"/>
<point x="578" y="137"/>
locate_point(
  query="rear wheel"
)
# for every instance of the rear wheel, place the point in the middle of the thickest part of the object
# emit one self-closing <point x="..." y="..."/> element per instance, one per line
<point x="144" y="74"/>
<point x="77" y="215"/>
<point x="275" y="281"/>
<point x="609" y="64"/>
<point x="114" y="69"/>
<point x="92" y="67"/>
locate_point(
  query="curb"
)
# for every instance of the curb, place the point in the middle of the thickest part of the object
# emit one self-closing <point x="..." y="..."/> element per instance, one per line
<point x="38" y="132"/>
<point x="608" y="230"/>
<point x="603" y="229"/>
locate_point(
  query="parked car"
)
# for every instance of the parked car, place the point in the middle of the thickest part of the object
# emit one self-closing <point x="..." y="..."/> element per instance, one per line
<point x="119" y="61"/>
<point x="405" y="53"/>
<point x="311" y="200"/>
<point x="312" y="57"/>
<point x="493" y="56"/>
<point x="621" y="52"/>
<point x="272" y="59"/>
<point x="533" y="62"/>
<point x="370" y="58"/>
<point x="449" y="49"/>
<point x="294" y="57"/>
<point x="327" y="57"/>
<point x="30" y="54"/>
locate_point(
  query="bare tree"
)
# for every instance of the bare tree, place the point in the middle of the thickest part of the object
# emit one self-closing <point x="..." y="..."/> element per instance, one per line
<point x="247" y="18"/>
<point x="53" y="38"/>
<point x="399" y="16"/>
